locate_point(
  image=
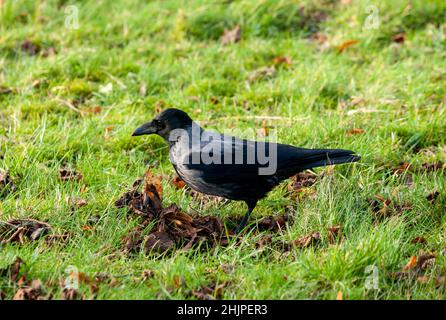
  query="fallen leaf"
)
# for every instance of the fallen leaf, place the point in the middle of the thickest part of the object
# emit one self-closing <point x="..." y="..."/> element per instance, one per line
<point x="159" y="105"/>
<point x="209" y="292"/>
<point x="232" y="35"/>
<point x="147" y="274"/>
<point x="178" y="182"/>
<point x="70" y="294"/>
<point x="402" y="168"/>
<point x="432" y="197"/>
<point x="33" y="291"/>
<point x="334" y="234"/>
<point x="418" y="240"/>
<point x="346" y="44"/>
<point x="312" y="239"/>
<point x="69" y="175"/>
<point x="424" y="260"/>
<point x="30" y="47"/>
<point x="411" y="264"/>
<point x="81" y="203"/>
<point x="53" y="239"/>
<point x="431" y="167"/>
<point x="380" y="206"/>
<point x="265" y="241"/>
<point x="399" y="37"/>
<point x="273" y="223"/>
<point x="354" y="131"/>
<point x="282" y="60"/>
<point x="17" y="230"/>
<point x="302" y="180"/>
<point x="158" y="241"/>
<point x="264" y="132"/>
<point x="339" y="296"/>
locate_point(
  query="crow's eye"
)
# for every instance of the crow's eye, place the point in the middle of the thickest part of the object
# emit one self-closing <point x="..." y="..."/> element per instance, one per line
<point x="159" y="124"/>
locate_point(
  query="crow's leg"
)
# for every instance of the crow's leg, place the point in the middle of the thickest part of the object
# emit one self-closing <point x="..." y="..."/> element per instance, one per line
<point x="251" y="206"/>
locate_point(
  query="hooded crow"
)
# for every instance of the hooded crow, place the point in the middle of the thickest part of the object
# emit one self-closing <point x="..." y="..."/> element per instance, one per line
<point x="229" y="167"/>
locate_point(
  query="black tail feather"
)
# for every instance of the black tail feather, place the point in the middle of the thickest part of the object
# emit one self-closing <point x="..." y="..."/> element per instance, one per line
<point x="326" y="157"/>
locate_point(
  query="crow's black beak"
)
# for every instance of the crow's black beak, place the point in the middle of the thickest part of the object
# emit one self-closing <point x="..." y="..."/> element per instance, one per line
<point x="146" y="128"/>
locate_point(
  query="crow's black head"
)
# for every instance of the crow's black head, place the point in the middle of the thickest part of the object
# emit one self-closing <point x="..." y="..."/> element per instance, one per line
<point x="164" y="123"/>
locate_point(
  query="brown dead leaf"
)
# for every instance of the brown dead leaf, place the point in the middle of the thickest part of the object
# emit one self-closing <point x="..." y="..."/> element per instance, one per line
<point x="265" y="241"/>
<point x="282" y="60"/>
<point x="152" y="192"/>
<point x="178" y="183"/>
<point x="81" y="203"/>
<point x="264" y="132"/>
<point x="354" y="131"/>
<point x="312" y="239"/>
<point x="334" y="234"/>
<point x="53" y="239"/>
<point x="70" y="294"/>
<point x="346" y="44"/>
<point x="17" y="230"/>
<point x="69" y="175"/>
<point x="432" y="167"/>
<point x="91" y="110"/>
<point x="432" y="197"/>
<point x="31" y="48"/>
<point x="209" y="292"/>
<point x="424" y="261"/>
<point x="418" y="240"/>
<point x="159" y="106"/>
<point x="32" y="291"/>
<point x="273" y="223"/>
<point x="302" y="180"/>
<point x="147" y="274"/>
<point x="399" y="37"/>
<point x="159" y="242"/>
<point x="411" y="263"/>
<point x="402" y="168"/>
<point x="231" y="36"/>
<point x="339" y="296"/>
<point x="380" y="206"/>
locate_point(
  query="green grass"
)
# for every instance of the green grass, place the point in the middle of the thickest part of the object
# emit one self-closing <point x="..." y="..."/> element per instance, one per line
<point x="395" y="92"/>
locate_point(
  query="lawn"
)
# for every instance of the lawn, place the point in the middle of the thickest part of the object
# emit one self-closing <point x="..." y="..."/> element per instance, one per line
<point x="77" y="77"/>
